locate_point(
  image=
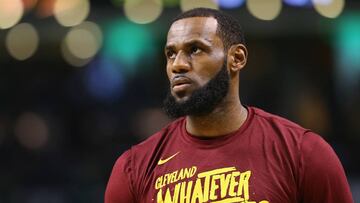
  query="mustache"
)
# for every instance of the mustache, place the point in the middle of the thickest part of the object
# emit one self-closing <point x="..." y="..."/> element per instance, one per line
<point x="180" y="79"/>
<point x="180" y="75"/>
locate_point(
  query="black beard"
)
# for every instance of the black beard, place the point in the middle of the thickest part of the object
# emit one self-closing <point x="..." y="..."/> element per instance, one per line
<point x="203" y="100"/>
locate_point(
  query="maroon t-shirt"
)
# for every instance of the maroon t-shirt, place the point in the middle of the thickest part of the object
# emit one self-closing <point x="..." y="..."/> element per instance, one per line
<point x="268" y="160"/>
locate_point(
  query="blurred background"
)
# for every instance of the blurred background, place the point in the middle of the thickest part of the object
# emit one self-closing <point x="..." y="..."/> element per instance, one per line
<point x="81" y="81"/>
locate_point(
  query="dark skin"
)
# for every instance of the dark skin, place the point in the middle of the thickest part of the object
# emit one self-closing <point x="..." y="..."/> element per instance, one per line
<point x="195" y="54"/>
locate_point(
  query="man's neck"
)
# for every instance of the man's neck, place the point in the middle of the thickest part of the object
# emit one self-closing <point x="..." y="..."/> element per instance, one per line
<point x="226" y="118"/>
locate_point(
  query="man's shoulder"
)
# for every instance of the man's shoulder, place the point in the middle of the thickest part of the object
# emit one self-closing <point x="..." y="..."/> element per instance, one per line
<point x="277" y="127"/>
<point x="276" y="121"/>
<point x="282" y="129"/>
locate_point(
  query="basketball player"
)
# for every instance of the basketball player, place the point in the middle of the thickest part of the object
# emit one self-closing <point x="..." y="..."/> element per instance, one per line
<point x="219" y="150"/>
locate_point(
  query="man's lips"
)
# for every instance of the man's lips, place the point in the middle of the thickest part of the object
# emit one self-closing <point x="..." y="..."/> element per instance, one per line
<point x="178" y="81"/>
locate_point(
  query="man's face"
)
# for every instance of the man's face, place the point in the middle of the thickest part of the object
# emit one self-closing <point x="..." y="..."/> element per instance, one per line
<point x="195" y="56"/>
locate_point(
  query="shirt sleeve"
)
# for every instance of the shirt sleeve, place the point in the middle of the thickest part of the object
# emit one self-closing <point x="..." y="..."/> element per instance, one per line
<point x="322" y="176"/>
<point x="119" y="189"/>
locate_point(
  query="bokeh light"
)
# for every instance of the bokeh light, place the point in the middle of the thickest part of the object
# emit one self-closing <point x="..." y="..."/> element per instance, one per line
<point x="323" y="2"/>
<point x="11" y="12"/>
<point x="45" y="8"/>
<point x="104" y="79"/>
<point x="70" y="58"/>
<point x="82" y="43"/>
<point x="347" y="49"/>
<point x="22" y="41"/>
<point x="186" y="5"/>
<point x="229" y="4"/>
<point x="298" y="2"/>
<point x="264" y="10"/>
<point x="329" y="8"/>
<point x="95" y="30"/>
<point x="128" y="43"/>
<point x="29" y="4"/>
<point x="143" y="11"/>
<point x="71" y="12"/>
<point x="31" y="131"/>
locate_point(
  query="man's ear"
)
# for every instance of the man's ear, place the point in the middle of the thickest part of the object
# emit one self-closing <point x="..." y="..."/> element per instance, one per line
<point x="237" y="57"/>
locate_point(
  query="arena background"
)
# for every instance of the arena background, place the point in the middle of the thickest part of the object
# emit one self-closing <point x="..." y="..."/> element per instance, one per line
<point x="81" y="81"/>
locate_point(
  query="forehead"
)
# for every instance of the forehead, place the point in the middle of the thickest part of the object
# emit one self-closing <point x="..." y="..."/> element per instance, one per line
<point x="192" y="28"/>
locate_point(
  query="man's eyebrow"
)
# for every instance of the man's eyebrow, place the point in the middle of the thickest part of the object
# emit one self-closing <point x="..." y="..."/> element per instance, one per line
<point x="205" y="42"/>
<point x="169" y="46"/>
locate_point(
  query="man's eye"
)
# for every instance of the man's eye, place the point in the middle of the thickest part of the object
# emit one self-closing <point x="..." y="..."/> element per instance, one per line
<point x="170" y="54"/>
<point x="195" y="50"/>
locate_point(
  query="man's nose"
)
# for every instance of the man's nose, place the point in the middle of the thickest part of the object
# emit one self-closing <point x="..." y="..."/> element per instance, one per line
<point x="181" y="63"/>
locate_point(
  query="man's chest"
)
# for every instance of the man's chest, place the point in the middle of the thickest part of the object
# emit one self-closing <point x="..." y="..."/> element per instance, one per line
<point x="209" y="177"/>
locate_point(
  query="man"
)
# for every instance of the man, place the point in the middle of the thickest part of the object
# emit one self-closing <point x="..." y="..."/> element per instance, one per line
<point x="218" y="150"/>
